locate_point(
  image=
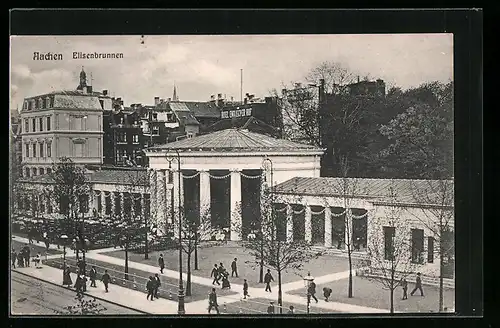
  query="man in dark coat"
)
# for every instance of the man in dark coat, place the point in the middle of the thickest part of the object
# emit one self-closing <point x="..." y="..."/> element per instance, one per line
<point x="215" y="274"/>
<point x="13" y="257"/>
<point x="150" y="287"/>
<point x="79" y="284"/>
<point x="234" y="268"/>
<point x="212" y="301"/>
<point x="157" y="284"/>
<point x="161" y="263"/>
<point x="418" y="285"/>
<point x="404" y="285"/>
<point x="267" y="279"/>
<point x="26" y="255"/>
<point x="312" y="290"/>
<point x="245" y="289"/>
<point x="93" y="276"/>
<point x="105" y="280"/>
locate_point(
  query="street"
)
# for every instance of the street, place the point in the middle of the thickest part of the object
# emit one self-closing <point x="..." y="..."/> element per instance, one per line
<point x="31" y="296"/>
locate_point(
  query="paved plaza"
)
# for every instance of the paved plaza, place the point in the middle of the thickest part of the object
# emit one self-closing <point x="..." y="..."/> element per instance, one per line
<point x="369" y="297"/>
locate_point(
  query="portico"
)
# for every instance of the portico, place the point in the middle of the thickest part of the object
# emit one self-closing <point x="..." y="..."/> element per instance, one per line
<point x="222" y="176"/>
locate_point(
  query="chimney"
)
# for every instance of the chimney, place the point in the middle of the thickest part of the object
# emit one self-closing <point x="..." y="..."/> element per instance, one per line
<point x="169" y="99"/>
<point x="219" y="96"/>
<point x="245" y="100"/>
<point x="212" y="97"/>
<point x="157" y="100"/>
<point x="217" y="102"/>
<point x="104" y="92"/>
<point x="232" y="98"/>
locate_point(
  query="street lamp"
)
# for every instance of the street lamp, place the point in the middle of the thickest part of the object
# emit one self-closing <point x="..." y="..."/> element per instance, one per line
<point x="307" y="283"/>
<point x="64" y="240"/>
<point x="180" y="309"/>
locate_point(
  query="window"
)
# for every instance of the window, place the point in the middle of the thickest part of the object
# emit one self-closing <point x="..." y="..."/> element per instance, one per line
<point x="48" y="123"/>
<point x="34" y="150"/>
<point x="25" y="105"/>
<point x="156" y="130"/>
<point x="135" y="138"/>
<point x="44" y="103"/>
<point x="389" y="233"/>
<point x="41" y="149"/>
<point x="42" y="171"/>
<point x="51" y="102"/>
<point x="417" y="245"/>
<point x="33" y="170"/>
<point x="33" y="125"/>
<point x="430" y="249"/>
<point x="49" y="149"/>
<point x="26" y="126"/>
<point x="41" y="123"/>
<point x="27" y="174"/>
<point x="84" y="203"/>
<point x="121" y="137"/>
<point x="27" y="153"/>
<point x="49" y="170"/>
<point x="30" y="105"/>
<point x="102" y="103"/>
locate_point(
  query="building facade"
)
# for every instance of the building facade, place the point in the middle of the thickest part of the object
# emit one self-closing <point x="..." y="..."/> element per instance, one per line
<point x="62" y="124"/>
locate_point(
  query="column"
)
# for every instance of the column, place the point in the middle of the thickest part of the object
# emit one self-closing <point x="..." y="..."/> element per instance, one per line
<point x="168" y="189"/>
<point x="205" y="199"/>
<point x="132" y="200"/>
<point x="143" y="209"/>
<point x="328" y="226"/>
<point x="159" y="200"/>
<point x="308" y="224"/>
<point x="348" y="227"/>
<point x="289" y="223"/>
<point x="122" y="208"/>
<point x="235" y="205"/>
<point x="152" y="193"/>
<point x="113" y="204"/>
<point x="103" y="203"/>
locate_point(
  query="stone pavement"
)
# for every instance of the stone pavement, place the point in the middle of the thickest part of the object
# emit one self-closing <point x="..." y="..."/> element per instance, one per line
<point x="137" y="299"/>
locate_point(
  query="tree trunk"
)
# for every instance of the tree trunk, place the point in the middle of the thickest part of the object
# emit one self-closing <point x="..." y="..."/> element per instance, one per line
<point x="196" y="251"/>
<point x="441" y="271"/>
<point x="126" y="260"/>
<point x="261" y="272"/>
<point x="280" y="295"/>
<point x="349" y="293"/>
<point x="188" y="280"/>
<point x="392" y="300"/>
<point x="392" y="289"/>
<point x="146" y="248"/>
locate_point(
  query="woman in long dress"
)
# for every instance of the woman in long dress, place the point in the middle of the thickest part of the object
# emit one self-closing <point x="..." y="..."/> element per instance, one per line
<point x="67" y="278"/>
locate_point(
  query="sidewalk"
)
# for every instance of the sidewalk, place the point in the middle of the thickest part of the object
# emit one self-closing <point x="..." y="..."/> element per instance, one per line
<point x="118" y="295"/>
<point x="318" y="280"/>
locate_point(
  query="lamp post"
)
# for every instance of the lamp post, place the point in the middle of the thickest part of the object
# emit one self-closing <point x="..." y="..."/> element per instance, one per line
<point x="307" y="283"/>
<point x="64" y="240"/>
<point x="180" y="309"/>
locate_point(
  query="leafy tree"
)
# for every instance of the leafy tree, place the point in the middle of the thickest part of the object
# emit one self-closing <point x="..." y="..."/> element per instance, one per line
<point x="388" y="260"/>
<point x="83" y="306"/>
<point x="421" y="138"/>
<point x="436" y="214"/>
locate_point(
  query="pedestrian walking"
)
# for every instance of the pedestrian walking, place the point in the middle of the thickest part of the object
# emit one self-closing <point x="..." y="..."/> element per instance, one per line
<point x="267" y="279"/>
<point x="404" y="284"/>
<point x="84" y="282"/>
<point x="157" y="285"/>
<point x="245" y="289"/>
<point x="291" y="310"/>
<point x="67" y="281"/>
<point x="326" y="293"/>
<point x="212" y="301"/>
<point x="79" y="285"/>
<point x="418" y="285"/>
<point x="225" y="280"/>
<point x="312" y="291"/>
<point x="37" y="260"/>
<point x="234" y="268"/>
<point x="161" y="263"/>
<point x="30" y="235"/>
<point x="81" y="267"/>
<point x="105" y="280"/>
<point x="93" y="276"/>
<point x="26" y="255"/>
<point x="13" y="257"/>
<point x="222" y="269"/>
<point x="215" y="274"/>
<point x="20" y="259"/>
<point x="150" y="287"/>
<point x="270" y="308"/>
<point x="46" y="240"/>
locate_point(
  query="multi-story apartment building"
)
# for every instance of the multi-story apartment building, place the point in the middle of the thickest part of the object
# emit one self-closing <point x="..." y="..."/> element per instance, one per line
<point x="63" y="124"/>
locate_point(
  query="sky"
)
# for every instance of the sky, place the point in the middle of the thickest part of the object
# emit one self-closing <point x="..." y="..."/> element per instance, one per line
<point x="205" y="65"/>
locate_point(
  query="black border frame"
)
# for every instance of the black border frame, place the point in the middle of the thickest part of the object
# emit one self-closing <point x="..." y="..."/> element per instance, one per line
<point x="466" y="25"/>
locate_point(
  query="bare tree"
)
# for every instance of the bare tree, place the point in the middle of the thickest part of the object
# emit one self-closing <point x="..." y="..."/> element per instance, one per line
<point x="436" y="199"/>
<point x="271" y="248"/>
<point x="389" y="260"/>
<point x="335" y="75"/>
<point x="347" y="188"/>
